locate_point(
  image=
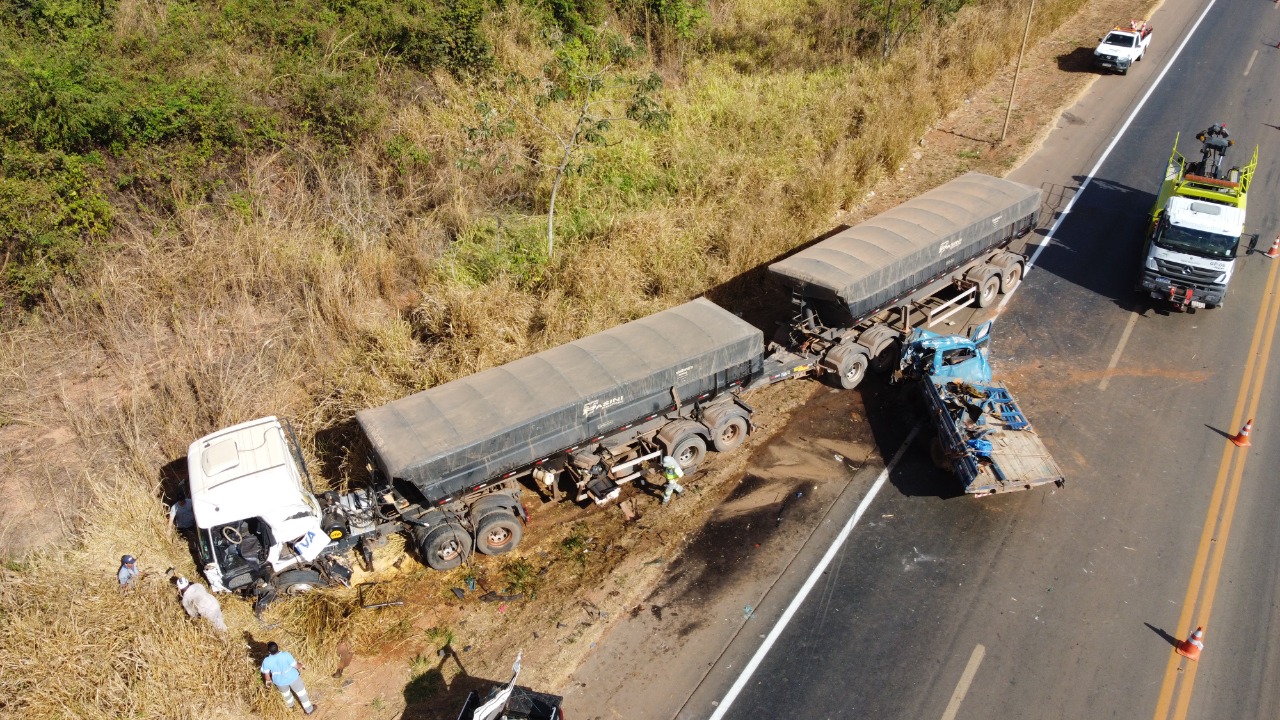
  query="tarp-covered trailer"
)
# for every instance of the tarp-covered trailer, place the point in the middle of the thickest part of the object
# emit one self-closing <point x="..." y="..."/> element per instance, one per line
<point x="454" y="439"/>
<point x="645" y="399"/>
<point x="858" y="292"/>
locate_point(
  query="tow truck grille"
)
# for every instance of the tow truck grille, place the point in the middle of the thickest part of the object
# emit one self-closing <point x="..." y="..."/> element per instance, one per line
<point x="1188" y="273"/>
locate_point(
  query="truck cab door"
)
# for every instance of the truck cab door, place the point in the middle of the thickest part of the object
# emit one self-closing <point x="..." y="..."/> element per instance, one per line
<point x="981" y="334"/>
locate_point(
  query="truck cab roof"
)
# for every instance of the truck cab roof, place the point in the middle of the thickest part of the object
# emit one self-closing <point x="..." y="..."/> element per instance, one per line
<point x="246" y="471"/>
<point x="1205" y="216"/>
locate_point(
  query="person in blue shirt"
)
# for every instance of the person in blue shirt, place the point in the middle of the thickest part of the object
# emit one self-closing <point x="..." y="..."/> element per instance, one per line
<point x="280" y="669"/>
<point x="128" y="573"/>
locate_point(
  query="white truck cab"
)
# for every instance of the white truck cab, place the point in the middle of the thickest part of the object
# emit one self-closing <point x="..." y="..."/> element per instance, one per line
<point x="254" y="517"/>
<point x="1194" y="247"/>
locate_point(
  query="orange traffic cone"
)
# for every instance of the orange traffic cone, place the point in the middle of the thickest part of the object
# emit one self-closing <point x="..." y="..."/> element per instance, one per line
<point x="1274" y="252"/>
<point x="1241" y="439"/>
<point x="1191" y="647"/>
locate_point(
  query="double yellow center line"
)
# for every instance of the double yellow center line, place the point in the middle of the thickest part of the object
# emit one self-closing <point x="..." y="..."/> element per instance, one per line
<point x="1175" y="692"/>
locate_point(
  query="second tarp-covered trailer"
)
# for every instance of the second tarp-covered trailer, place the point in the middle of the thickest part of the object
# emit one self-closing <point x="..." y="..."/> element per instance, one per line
<point x="456" y="438"/>
<point x="857" y="293"/>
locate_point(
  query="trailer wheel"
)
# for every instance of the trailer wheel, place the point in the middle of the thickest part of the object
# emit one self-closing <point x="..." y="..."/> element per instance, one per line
<point x="498" y="532"/>
<point x="1012" y="278"/>
<point x="851" y="366"/>
<point x="729" y="433"/>
<point x="689" y="452"/>
<point x="988" y="290"/>
<point x="445" y="547"/>
<point x="887" y="358"/>
<point x="296" y="582"/>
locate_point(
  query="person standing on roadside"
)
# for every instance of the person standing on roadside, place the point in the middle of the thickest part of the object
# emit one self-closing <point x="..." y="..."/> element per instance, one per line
<point x="181" y="516"/>
<point x="128" y="573"/>
<point x="280" y="669"/>
<point x="199" y="603"/>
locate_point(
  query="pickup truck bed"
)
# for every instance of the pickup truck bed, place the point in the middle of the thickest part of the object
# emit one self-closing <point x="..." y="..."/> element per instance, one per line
<point x="963" y="413"/>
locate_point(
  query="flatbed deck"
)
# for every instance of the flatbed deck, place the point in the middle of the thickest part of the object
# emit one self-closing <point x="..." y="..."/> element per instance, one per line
<point x="1016" y="458"/>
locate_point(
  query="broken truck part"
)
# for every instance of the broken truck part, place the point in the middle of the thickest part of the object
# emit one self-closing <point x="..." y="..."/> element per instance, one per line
<point x="981" y="433"/>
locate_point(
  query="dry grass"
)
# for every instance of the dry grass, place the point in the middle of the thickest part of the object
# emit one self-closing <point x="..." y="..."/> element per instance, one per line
<point x="313" y="287"/>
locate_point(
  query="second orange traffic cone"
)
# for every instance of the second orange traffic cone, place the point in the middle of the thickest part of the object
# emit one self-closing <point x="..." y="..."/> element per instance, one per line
<point x="1241" y="439"/>
<point x="1274" y="252"/>
<point x="1191" y="647"/>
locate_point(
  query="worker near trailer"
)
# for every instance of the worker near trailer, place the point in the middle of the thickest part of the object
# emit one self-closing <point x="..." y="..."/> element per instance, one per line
<point x="672" y="471"/>
<point x="198" y="602"/>
<point x="281" y="669"/>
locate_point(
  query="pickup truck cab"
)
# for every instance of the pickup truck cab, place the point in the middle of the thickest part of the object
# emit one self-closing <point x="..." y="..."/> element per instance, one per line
<point x="1122" y="47"/>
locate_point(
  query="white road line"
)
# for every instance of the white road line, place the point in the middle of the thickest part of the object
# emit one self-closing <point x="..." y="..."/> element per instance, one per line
<point x="1254" y="56"/>
<point x="962" y="687"/>
<point x="1115" y="141"/>
<point x="1115" y="357"/>
<point x="798" y="600"/>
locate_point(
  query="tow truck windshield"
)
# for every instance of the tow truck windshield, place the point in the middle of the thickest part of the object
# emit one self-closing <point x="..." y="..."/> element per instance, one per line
<point x="1197" y="242"/>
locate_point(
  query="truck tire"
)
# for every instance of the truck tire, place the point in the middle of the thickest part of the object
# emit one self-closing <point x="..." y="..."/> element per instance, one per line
<point x="498" y="532"/>
<point x="988" y="291"/>
<point x="296" y="582"/>
<point x="850" y="365"/>
<point x="729" y="433"/>
<point x="1011" y="278"/>
<point x="689" y="451"/>
<point x="445" y="547"/>
<point x="887" y="358"/>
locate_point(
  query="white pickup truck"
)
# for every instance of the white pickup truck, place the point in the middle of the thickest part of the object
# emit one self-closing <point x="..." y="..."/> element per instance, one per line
<point x="1122" y="47"/>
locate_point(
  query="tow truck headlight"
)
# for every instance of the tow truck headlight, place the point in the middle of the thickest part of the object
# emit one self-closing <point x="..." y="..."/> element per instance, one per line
<point x="1151" y="263"/>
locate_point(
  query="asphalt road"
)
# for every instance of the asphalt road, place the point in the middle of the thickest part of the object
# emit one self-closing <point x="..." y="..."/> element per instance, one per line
<point x="1066" y="603"/>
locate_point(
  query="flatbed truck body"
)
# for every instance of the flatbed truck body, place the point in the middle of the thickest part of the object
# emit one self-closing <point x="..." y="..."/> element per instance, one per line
<point x="982" y="435"/>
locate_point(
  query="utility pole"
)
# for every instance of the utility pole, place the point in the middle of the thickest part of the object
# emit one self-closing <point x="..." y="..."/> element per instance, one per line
<point x="888" y="28"/>
<point x="1017" y="69"/>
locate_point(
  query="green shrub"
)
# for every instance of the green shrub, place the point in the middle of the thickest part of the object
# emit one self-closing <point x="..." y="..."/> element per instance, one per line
<point x="490" y="248"/>
<point x="60" y="99"/>
<point x="50" y="208"/>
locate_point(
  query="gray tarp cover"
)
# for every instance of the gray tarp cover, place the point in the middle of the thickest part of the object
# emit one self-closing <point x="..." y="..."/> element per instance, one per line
<point x="876" y="261"/>
<point x="462" y="433"/>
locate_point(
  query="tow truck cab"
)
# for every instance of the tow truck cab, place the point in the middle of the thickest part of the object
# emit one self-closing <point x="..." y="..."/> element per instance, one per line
<point x="1192" y="249"/>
